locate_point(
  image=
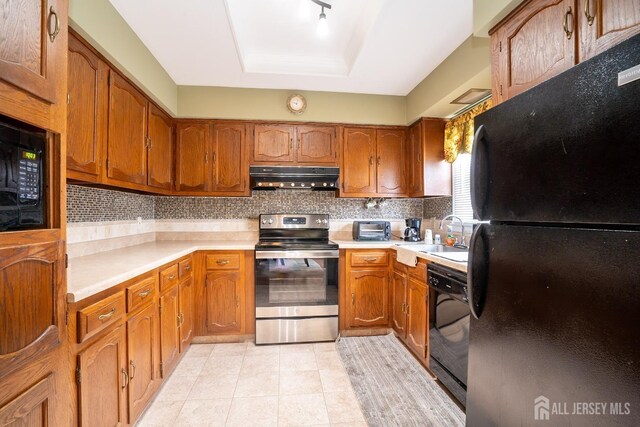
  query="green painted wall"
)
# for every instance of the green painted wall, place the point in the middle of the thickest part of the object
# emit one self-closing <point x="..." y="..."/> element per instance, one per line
<point x="469" y="66"/>
<point x="270" y="104"/>
<point x="100" y="23"/>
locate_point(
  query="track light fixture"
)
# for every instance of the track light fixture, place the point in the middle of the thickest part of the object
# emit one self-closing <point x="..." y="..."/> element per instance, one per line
<point x="323" y="27"/>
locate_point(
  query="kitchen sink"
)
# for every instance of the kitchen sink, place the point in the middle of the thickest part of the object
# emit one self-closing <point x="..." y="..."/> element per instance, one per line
<point x="435" y="248"/>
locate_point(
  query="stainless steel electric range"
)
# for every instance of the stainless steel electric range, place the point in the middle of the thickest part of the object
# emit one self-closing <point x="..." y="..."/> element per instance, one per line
<point x="296" y="276"/>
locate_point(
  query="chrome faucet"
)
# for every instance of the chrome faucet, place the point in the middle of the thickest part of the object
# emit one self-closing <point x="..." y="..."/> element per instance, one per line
<point x="454" y="218"/>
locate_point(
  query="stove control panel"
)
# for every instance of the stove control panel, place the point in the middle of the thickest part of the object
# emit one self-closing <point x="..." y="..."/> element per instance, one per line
<point x="295" y="221"/>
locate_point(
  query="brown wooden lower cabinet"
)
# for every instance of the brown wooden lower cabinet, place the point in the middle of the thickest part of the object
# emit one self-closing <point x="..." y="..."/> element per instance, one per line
<point x="186" y="313"/>
<point x="224" y="292"/>
<point x="31" y="407"/>
<point x="169" y="331"/>
<point x="142" y="349"/>
<point x="410" y="307"/>
<point x="367" y="289"/>
<point x="102" y="379"/>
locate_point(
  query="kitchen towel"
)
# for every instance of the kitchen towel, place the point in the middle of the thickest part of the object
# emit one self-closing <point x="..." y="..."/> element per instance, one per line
<point x="407" y="256"/>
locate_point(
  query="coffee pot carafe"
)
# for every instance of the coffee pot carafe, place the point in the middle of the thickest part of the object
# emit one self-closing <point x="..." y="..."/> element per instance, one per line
<point x="412" y="232"/>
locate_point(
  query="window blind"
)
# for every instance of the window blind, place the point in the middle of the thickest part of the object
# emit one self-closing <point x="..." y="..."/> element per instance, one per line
<point x="462" y="187"/>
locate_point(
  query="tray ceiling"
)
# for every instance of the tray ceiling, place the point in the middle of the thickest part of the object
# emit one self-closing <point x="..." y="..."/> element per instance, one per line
<point x="373" y="46"/>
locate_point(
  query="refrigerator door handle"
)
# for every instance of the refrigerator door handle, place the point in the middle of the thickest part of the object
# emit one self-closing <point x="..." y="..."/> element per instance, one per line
<point x="478" y="268"/>
<point x="479" y="171"/>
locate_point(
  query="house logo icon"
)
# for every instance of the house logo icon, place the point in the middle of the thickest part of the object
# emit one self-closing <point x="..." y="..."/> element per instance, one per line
<point x="541" y="408"/>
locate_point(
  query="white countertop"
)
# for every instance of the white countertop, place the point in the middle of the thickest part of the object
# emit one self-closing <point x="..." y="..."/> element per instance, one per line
<point x="91" y="274"/>
<point x="88" y="275"/>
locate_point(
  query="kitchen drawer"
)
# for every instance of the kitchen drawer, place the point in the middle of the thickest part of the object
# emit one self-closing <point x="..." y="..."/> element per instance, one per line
<point x="184" y="268"/>
<point x="419" y="271"/>
<point x="369" y="259"/>
<point x="223" y="261"/>
<point x="141" y="293"/>
<point x="100" y="315"/>
<point x="168" y="277"/>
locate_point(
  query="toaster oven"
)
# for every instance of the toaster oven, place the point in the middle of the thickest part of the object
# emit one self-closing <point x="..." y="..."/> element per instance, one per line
<point x="371" y="230"/>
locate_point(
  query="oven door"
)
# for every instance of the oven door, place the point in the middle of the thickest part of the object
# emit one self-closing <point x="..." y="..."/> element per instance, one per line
<point x="296" y="283"/>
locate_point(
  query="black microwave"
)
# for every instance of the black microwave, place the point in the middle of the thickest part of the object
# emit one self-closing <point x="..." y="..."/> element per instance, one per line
<point x="22" y="202"/>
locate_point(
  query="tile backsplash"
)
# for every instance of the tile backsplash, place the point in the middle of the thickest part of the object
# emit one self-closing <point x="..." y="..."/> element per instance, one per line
<point x="437" y="207"/>
<point x="86" y="204"/>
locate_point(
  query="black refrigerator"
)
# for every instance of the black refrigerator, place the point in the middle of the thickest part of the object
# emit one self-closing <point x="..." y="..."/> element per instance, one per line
<point x="554" y="269"/>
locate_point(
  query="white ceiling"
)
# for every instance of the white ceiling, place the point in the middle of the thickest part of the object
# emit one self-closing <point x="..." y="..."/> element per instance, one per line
<point x="381" y="47"/>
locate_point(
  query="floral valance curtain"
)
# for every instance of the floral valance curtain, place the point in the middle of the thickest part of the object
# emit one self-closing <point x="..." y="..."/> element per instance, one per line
<point x="458" y="133"/>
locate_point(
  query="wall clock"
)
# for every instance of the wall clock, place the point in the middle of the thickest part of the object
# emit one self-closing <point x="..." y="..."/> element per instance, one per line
<point x="297" y="104"/>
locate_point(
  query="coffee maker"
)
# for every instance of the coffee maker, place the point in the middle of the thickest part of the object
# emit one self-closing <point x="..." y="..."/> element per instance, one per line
<point x="412" y="232"/>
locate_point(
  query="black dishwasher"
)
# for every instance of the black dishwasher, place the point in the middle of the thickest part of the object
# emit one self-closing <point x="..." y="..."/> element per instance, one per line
<point x="449" y="317"/>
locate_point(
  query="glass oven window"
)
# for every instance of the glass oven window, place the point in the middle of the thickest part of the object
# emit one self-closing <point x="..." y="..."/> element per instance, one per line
<point x="296" y="282"/>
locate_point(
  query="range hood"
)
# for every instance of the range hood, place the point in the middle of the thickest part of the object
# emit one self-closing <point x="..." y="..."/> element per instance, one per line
<point x="294" y="177"/>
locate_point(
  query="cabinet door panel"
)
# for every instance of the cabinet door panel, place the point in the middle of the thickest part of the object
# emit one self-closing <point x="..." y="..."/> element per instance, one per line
<point x="229" y="160"/>
<point x="30" y="282"/>
<point x="103" y="378"/>
<point x="391" y="155"/>
<point x="86" y="112"/>
<point x="415" y="161"/>
<point x="224" y="295"/>
<point x="273" y="144"/>
<point x="368" y="291"/>
<point x="30" y="408"/>
<point x="535" y="46"/>
<point x="169" y="334"/>
<point x="160" y="149"/>
<point x="417" y="317"/>
<point x="186" y="314"/>
<point x="316" y="145"/>
<point x="28" y="56"/>
<point x="613" y="21"/>
<point x="126" y="145"/>
<point x="358" y="169"/>
<point x="142" y="347"/>
<point x="399" y="290"/>
<point x="192" y="157"/>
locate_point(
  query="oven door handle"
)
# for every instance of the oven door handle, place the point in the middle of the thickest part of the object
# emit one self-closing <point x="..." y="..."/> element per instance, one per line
<point x="297" y="254"/>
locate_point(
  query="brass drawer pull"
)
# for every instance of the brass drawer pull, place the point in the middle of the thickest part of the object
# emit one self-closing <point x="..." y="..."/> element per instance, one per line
<point x="125" y="383"/>
<point x="56" y="28"/>
<point x="371" y="259"/>
<point x="188" y="268"/>
<point x="222" y="262"/>
<point x="107" y="315"/>
<point x="237" y="302"/>
<point x="353" y="298"/>
<point x="568" y="32"/>
<point x="587" y="12"/>
<point x="173" y="276"/>
<point x="133" y="367"/>
<point x="144" y="293"/>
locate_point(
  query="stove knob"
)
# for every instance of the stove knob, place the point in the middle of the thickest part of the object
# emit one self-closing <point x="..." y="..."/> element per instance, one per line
<point x="324" y="221"/>
<point x="332" y="184"/>
<point x="324" y="184"/>
<point x="282" y="184"/>
<point x="301" y="185"/>
<point x="313" y="184"/>
<point x="271" y="184"/>
<point x="270" y="221"/>
<point x="264" y="221"/>
<point x="293" y="184"/>
<point x="259" y="184"/>
<point x="318" y="221"/>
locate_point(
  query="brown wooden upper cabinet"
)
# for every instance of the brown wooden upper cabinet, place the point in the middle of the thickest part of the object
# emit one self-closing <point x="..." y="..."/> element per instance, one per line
<point x="229" y="160"/>
<point x="160" y="149"/>
<point x="86" y="112"/>
<point x="212" y="159"/>
<point x="374" y="162"/>
<point x="542" y="38"/>
<point x="127" y="138"/>
<point x="31" y="45"/>
<point x="192" y="157"/>
<point x="294" y="145"/>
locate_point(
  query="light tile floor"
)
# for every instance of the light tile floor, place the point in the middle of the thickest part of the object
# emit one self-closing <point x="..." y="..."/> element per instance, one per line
<point x="242" y="384"/>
